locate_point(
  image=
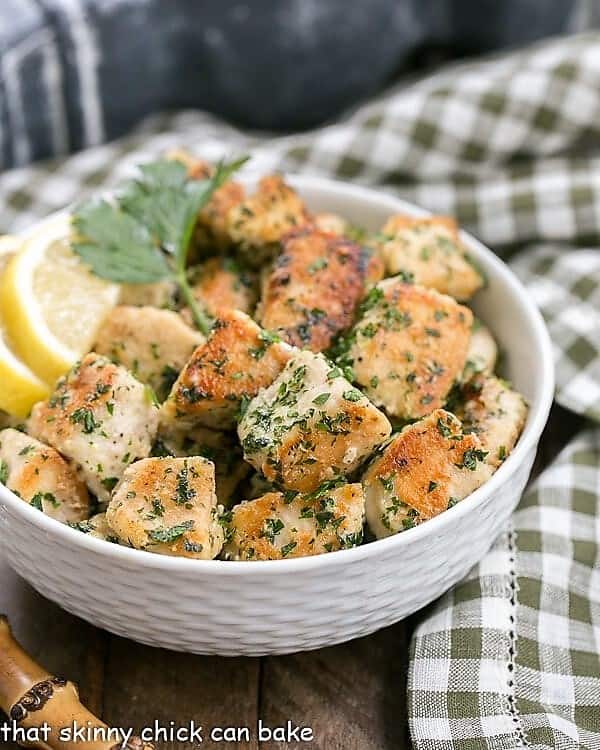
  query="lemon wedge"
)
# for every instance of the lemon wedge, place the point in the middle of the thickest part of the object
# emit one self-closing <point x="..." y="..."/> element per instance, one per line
<point x="51" y="303"/>
<point x="21" y="388"/>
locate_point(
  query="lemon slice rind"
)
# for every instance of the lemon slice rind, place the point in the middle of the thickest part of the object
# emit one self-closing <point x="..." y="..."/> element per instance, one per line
<point x="34" y="341"/>
<point x="20" y="388"/>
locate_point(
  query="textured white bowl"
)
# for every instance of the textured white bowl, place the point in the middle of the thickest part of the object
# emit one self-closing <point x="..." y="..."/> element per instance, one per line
<point x="276" y="607"/>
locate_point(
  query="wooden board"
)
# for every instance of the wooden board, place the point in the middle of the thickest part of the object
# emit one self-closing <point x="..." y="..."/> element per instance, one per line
<point x="352" y="696"/>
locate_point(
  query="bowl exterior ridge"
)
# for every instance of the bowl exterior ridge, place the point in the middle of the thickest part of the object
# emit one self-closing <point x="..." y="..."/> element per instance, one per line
<point x="272" y="614"/>
<point x="257" y="608"/>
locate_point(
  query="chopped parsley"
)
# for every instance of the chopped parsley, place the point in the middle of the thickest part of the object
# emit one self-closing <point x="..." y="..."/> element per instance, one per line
<point x="144" y="236"/>
<point x="318" y="265"/>
<point x="470" y="458"/>
<point x="85" y="417"/>
<point x="287" y="548"/>
<point x="166" y="536"/>
<point x="109" y="483"/>
<point x="271" y="527"/>
<point x="185" y="492"/>
<point x="443" y="428"/>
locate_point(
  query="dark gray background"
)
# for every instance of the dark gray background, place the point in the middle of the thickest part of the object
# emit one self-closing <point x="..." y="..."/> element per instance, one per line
<point x="76" y="72"/>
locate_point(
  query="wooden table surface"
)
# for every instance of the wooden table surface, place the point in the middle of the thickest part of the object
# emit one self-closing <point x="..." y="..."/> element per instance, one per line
<point x="353" y="696"/>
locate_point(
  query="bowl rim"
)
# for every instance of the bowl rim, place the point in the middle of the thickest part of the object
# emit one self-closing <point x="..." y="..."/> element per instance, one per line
<point x="528" y="440"/>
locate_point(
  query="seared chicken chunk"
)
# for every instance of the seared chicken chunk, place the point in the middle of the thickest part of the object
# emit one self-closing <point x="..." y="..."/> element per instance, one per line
<point x="235" y="362"/>
<point x="221" y="282"/>
<point x="429" y="252"/>
<point x="312" y="292"/>
<point x="409" y="347"/>
<point x="162" y="294"/>
<point x="279" y="525"/>
<point x="482" y="352"/>
<point x="8" y="420"/>
<point x="152" y="344"/>
<point x="220" y="447"/>
<point x="212" y="228"/>
<point x="494" y="412"/>
<point x="310" y="425"/>
<point x="258" y="224"/>
<point x="101" y="418"/>
<point x="97" y="527"/>
<point x="168" y="506"/>
<point x="40" y="476"/>
<point x="330" y="222"/>
<point x="425" y="469"/>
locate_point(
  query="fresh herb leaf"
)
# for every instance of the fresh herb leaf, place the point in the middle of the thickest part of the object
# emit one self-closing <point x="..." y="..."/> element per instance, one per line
<point x="166" y="536"/>
<point x="470" y="458"/>
<point x="144" y="235"/>
<point x="3" y="471"/>
<point x="85" y="417"/>
<point x="116" y="246"/>
<point x="287" y="548"/>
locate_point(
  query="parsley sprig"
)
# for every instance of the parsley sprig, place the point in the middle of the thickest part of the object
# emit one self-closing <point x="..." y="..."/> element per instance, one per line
<point x="144" y="235"/>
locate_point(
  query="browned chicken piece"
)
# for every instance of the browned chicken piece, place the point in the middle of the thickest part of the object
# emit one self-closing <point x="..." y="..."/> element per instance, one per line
<point x="494" y="412"/>
<point x="409" y="347"/>
<point x="212" y="229"/>
<point x="237" y="360"/>
<point x="429" y="252"/>
<point x="8" y="420"/>
<point x="482" y="353"/>
<point x="257" y="225"/>
<point x="221" y="283"/>
<point x="222" y="448"/>
<point x="310" y="425"/>
<point x="162" y="294"/>
<point x="279" y="525"/>
<point x="152" y="344"/>
<point x="97" y="527"/>
<point x="425" y="469"/>
<point x="330" y="222"/>
<point x="316" y="283"/>
<point x="168" y="506"/>
<point x="40" y="476"/>
<point x="99" y="417"/>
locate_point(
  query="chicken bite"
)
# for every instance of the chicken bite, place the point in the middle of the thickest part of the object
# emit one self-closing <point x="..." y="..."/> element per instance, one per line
<point x="97" y="527"/>
<point x="310" y="425"/>
<point x="428" y="251"/>
<point x="222" y="448"/>
<point x="330" y="222"/>
<point x="168" y="506"/>
<point x="212" y="228"/>
<point x="258" y="224"/>
<point x="162" y="294"/>
<point x="237" y="360"/>
<point x="408" y="348"/>
<point x="101" y="418"/>
<point x="313" y="290"/>
<point x="40" y="476"/>
<point x="221" y="282"/>
<point x="425" y="469"/>
<point x="152" y="344"/>
<point x="279" y="525"/>
<point x="9" y="420"/>
<point x="494" y="412"/>
<point x="482" y="352"/>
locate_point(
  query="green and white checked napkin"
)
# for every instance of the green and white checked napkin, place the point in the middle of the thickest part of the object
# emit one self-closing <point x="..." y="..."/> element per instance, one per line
<point x="510" y="146"/>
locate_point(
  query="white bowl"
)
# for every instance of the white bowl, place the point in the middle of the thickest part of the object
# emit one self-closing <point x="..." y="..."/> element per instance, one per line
<point x="276" y="607"/>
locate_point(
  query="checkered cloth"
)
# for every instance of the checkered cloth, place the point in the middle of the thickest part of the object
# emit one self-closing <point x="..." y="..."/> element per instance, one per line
<point x="509" y="145"/>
